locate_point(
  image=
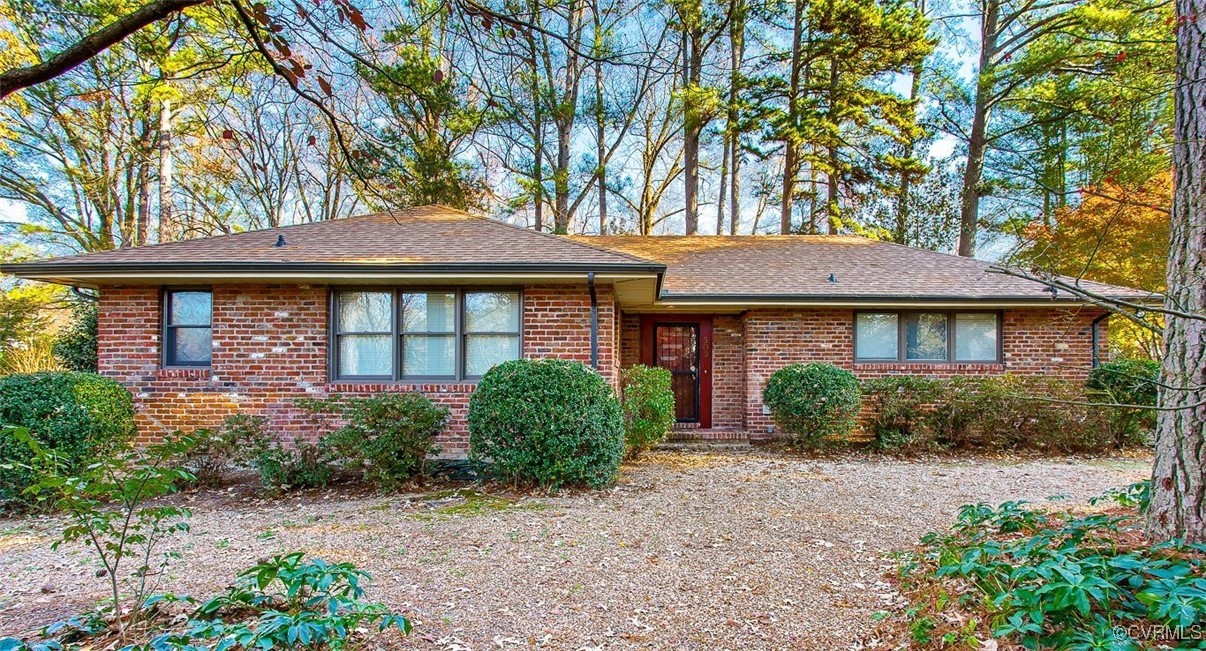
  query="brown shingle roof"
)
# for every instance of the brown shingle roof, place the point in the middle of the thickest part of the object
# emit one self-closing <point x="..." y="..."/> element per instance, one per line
<point x="442" y="240"/>
<point x="428" y="235"/>
<point x="799" y="266"/>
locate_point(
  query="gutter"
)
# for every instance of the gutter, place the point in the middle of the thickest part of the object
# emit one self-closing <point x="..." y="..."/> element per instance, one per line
<point x="869" y="299"/>
<point x="27" y="269"/>
<point x="594" y="321"/>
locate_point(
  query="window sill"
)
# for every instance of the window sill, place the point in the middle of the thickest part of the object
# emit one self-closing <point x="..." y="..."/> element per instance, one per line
<point x="428" y="385"/>
<point x="915" y="367"/>
<point x="185" y="372"/>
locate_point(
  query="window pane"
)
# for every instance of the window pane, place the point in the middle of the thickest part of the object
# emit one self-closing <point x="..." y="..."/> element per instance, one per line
<point x="925" y="336"/>
<point x="365" y="311"/>
<point x="492" y="312"/>
<point x="433" y="355"/>
<point x="191" y="308"/>
<point x="365" y="355"/>
<point x="191" y="345"/>
<point x="429" y="312"/>
<point x="876" y="336"/>
<point x="482" y="352"/>
<point x="975" y="337"/>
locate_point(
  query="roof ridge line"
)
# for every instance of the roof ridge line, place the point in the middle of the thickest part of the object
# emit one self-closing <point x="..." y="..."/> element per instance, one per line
<point x="567" y="239"/>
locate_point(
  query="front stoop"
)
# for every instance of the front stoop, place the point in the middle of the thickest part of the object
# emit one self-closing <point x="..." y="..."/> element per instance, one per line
<point x="718" y="436"/>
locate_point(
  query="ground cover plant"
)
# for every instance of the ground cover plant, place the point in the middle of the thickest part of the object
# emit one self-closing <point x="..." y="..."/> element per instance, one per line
<point x="1052" y="580"/>
<point x="288" y="601"/>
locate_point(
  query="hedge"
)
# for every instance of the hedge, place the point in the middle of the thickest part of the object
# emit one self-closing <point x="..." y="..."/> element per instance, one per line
<point x="81" y="416"/>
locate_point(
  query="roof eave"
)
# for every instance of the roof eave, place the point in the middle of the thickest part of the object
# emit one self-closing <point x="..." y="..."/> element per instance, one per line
<point x="697" y="301"/>
<point x="97" y="274"/>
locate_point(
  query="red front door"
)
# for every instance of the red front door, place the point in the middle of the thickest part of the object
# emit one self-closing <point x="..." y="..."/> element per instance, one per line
<point x="683" y="346"/>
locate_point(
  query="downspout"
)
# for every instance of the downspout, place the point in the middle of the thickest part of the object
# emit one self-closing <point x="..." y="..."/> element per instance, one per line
<point x="594" y="321"/>
<point x="1096" y="338"/>
<point x="84" y="295"/>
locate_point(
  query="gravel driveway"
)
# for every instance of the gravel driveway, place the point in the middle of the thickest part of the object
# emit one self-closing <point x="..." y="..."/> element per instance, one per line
<point x="707" y="550"/>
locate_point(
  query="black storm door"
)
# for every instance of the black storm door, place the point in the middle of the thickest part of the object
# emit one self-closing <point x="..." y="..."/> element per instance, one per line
<point x="676" y="349"/>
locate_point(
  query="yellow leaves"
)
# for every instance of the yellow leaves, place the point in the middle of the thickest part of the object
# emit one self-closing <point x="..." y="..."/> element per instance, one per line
<point x="700" y="104"/>
<point x="1117" y="235"/>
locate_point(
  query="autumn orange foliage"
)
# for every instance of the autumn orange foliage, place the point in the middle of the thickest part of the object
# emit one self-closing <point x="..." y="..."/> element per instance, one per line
<point x="1116" y="235"/>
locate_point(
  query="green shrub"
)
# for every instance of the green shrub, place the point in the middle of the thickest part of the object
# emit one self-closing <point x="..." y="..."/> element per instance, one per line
<point x="902" y="418"/>
<point x="236" y="441"/>
<point x="1055" y="580"/>
<point x="80" y="417"/>
<point x="389" y="436"/>
<point x="812" y="402"/>
<point x="1011" y="411"/>
<point x="75" y="346"/>
<point x="648" y="407"/>
<point x="1132" y="382"/>
<point x="303" y="465"/>
<point x="549" y="422"/>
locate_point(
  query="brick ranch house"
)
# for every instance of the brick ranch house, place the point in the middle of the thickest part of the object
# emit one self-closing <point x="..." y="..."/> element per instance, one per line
<point x="428" y="299"/>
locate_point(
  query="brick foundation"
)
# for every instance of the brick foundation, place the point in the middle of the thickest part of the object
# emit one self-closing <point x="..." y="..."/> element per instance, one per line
<point x="270" y="348"/>
<point x="748" y="348"/>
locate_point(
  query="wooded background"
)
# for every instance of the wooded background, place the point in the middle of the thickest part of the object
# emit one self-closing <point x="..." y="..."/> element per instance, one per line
<point x="1030" y="131"/>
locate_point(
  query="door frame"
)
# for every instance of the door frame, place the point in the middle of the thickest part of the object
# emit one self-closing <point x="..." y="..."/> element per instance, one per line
<point x="704" y="376"/>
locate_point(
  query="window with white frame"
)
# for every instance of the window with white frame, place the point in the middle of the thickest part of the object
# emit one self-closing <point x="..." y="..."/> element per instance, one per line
<point x="927" y="337"/>
<point x="436" y="334"/>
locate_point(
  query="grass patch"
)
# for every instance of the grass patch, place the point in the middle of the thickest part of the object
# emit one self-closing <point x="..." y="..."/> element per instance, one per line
<point x="467" y="502"/>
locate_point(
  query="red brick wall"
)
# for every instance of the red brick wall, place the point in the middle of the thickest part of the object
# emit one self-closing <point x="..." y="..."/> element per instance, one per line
<point x="630" y="340"/>
<point x="728" y="372"/>
<point x="748" y="348"/>
<point x="270" y="348"/>
<point x="1054" y="342"/>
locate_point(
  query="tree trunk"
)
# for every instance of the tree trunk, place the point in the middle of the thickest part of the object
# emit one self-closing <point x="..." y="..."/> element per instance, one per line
<point x="722" y="196"/>
<point x="977" y="145"/>
<point x="1179" y="477"/>
<point x="735" y="186"/>
<point x="537" y="133"/>
<point x="600" y="130"/>
<point x="167" y="223"/>
<point x="791" y="153"/>
<point x="833" y="210"/>
<point x="903" y="209"/>
<point x="693" y="127"/>
<point x="736" y="58"/>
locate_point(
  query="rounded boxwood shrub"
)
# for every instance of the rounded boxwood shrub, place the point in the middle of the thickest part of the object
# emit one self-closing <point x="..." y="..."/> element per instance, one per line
<point x="548" y="422"/>
<point x="812" y="402"/>
<point x="648" y="407"/>
<point x="81" y="416"/>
